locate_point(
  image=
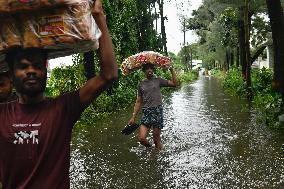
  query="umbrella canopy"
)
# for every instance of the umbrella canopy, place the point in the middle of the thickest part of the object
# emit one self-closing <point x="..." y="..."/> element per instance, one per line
<point x="136" y="61"/>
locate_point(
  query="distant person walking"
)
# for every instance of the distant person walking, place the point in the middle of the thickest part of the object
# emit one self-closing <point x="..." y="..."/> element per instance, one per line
<point x="149" y="97"/>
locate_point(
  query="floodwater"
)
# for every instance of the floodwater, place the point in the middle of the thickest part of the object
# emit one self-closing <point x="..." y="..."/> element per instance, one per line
<point x="211" y="141"/>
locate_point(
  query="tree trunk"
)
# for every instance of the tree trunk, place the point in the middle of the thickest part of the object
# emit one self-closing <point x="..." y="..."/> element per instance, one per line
<point x="227" y="60"/>
<point x="247" y="48"/>
<point x="156" y="19"/>
<point x="232" y="58"/>
<point x="89" y="64"/>
<point x="242" y="42"/>
<point x="276" y="16"/>
<point x="144" y="23"/>
<point x="163" y="29"/>
<point x="238" y="57"/>
<point x="257" y="53"/>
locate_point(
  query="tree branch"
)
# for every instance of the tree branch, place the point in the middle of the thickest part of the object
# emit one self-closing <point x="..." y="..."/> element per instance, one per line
<point x="258" y="52"/>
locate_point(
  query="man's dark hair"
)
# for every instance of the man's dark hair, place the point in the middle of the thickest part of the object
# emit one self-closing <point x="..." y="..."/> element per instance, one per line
<point x="147" y="65"/>
<point x="17" y="54"/>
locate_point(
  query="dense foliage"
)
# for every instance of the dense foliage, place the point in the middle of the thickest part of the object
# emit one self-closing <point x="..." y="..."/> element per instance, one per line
<point x="266" y="101"/>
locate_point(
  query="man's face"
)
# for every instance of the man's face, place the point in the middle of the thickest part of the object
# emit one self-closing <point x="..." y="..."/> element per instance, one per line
<point x="149" y="72"/>
<point x="30" y="76"/>
<point x="5" y="87"/>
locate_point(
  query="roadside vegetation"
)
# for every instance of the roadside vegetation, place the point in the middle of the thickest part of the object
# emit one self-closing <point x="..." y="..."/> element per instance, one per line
<point x="265" y="100"/>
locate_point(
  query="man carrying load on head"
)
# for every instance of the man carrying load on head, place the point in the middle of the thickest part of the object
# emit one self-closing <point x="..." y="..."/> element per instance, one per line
<point x="35" y="131"/>
<point x="149" y="98"/>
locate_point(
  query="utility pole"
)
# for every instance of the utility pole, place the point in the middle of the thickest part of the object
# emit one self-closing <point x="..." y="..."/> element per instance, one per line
<point x="183" y="31"/>
<point x="190" y="58"/>
<point x="156" y="19"/>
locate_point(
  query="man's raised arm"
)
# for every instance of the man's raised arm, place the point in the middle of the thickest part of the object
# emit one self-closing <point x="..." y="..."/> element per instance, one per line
<point x="108" y="67"/>
<point x="173" y="82"/>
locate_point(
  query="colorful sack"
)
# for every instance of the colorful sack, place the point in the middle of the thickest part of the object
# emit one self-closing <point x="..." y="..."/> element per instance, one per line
<point x="136" y="61"/>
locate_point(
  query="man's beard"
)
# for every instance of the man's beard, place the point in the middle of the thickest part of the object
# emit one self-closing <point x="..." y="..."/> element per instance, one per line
<point x="30" y="91"/>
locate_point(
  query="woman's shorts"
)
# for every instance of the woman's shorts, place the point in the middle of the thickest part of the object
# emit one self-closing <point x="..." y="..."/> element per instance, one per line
<point x="153" y="117"/>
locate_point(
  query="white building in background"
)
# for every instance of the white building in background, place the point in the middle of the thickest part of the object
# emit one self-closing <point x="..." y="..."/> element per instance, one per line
<point x="265" y="62"/>
<point x="268" y="61"/>
<point x="196" y="64"/>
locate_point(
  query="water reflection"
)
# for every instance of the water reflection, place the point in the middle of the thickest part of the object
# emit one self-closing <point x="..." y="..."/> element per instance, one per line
<point x="209" y="143"/>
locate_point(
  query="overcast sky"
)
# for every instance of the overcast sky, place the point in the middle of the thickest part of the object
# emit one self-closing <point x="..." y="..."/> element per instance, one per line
<point x="173" y="28"/>
<point x="173" y="25"/>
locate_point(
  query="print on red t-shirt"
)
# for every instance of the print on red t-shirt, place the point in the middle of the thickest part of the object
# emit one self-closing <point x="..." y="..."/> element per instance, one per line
<point x="35" y="142"/>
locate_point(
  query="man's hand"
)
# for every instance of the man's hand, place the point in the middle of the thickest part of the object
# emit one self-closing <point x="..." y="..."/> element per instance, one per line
<point x="173" y="82"/>
<point x="97" y="8"/>
<point x="131" y="121"/>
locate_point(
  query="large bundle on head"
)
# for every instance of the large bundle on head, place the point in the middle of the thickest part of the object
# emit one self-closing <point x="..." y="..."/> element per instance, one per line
<point x="12" y="6"/>
<point x="62" y="30"/>
<point x="136" y="61"/>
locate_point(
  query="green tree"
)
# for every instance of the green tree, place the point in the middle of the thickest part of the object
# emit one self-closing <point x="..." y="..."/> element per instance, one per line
<point x="276" y="16"/>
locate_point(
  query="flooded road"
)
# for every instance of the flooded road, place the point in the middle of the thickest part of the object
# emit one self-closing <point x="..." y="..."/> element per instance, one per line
<point x="210" y="143"/>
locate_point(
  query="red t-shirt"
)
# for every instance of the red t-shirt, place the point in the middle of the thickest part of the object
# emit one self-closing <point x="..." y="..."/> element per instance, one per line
<point x="35" y="142"/>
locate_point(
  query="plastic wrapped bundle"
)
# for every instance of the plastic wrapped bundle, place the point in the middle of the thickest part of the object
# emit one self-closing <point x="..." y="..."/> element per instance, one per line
<point x="63" y="31"/>
<point x="4" y="8"/>
<point x="11" y="6"/>
<point x="10" y="35"/>
<point x="136" y="61"/>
